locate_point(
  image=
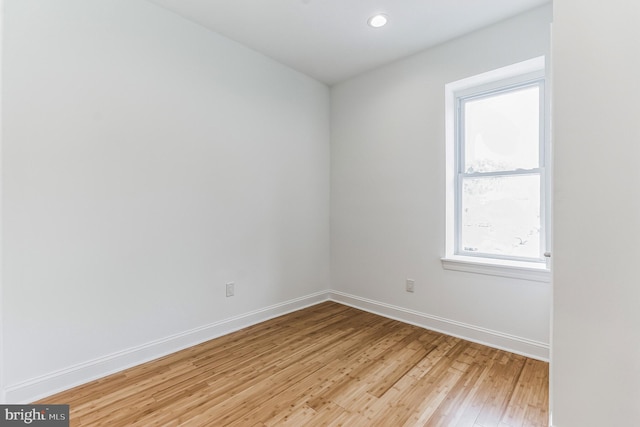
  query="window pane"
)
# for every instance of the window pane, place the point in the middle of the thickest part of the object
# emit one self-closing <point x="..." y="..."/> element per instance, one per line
<point x="501" y="216"/>
<point x="501" y="132"/>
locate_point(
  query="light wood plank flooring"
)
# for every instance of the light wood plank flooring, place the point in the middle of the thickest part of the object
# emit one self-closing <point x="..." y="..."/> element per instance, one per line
<point x="325" y="365"/>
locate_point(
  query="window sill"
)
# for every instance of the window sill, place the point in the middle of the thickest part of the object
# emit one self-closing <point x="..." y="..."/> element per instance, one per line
<point x="536" y="272"/>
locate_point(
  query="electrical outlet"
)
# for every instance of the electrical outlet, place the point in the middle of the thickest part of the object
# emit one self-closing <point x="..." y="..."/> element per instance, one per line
<point x="411" y="285"/>
<point x="231" y="289"/>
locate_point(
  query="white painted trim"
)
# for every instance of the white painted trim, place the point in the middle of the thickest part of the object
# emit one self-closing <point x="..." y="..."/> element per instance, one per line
<point x="536" y="272"/>
<point x="514" y="344"/>
<point x="522" y="72"/>
<point x="47" y="385"/>
<point x="499" y="77"/>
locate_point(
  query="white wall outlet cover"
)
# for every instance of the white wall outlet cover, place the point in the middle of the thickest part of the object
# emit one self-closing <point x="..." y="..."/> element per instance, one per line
<point x="411" y="285"/>
<point x="231" y="289"/>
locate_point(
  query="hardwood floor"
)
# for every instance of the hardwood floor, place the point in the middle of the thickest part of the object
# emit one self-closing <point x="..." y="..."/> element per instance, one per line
<point x="325" y="365"/>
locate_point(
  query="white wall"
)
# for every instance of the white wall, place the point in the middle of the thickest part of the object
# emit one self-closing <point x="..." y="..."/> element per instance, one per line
<point x="596" y="329"/>
<point x="388" y="193"/>
<point x="147" y="161"/>
<point x="2" y="394"/>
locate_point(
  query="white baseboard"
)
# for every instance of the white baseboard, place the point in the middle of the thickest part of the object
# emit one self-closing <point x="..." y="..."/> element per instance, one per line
<point x="523" y="346"/>
<point x="47" y="385"/>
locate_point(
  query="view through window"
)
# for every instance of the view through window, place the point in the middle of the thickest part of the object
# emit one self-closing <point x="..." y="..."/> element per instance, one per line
<point x="500" y="172"/>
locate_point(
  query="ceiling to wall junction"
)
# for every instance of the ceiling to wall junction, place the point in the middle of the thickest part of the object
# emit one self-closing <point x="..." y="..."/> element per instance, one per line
<point x="330" y="39"/>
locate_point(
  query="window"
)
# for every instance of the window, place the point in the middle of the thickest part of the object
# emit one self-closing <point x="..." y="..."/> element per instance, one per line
<point x="497" y="207"/>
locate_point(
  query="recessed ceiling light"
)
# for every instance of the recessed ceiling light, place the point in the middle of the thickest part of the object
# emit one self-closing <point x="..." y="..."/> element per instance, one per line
<point x="377" y="21"/>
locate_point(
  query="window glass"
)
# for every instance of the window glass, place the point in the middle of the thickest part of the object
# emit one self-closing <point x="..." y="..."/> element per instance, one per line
<point x="501" y="216"/>
<point x="501" y="131"/>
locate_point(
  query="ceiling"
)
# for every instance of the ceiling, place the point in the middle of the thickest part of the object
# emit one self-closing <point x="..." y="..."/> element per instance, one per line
<point x="330" y="39"/>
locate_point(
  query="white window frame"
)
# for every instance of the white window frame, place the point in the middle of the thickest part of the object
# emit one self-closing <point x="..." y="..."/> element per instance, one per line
<point x="527" y="73"/>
